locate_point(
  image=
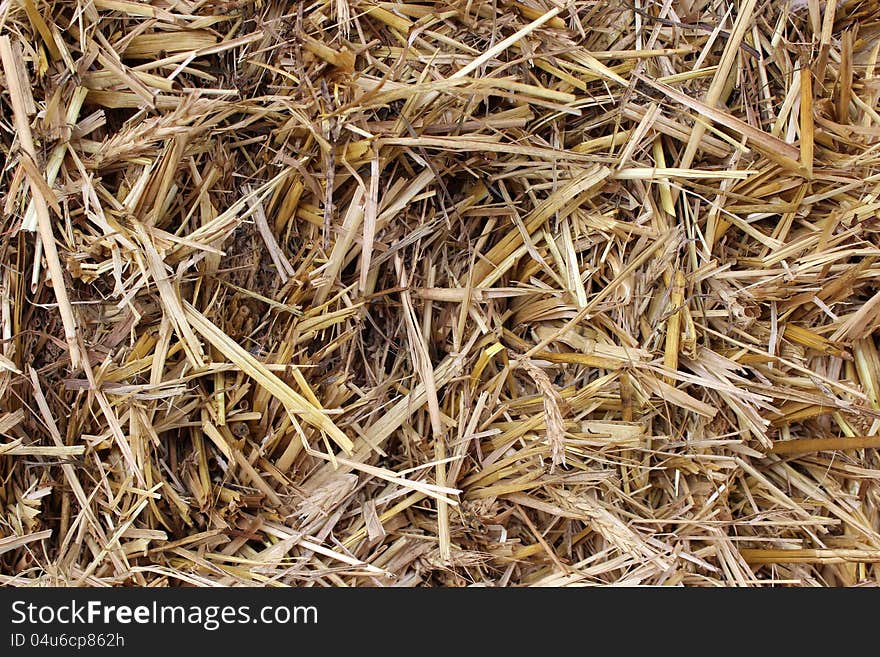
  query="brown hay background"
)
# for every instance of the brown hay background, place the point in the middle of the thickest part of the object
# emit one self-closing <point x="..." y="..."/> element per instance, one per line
<point x="349" y="292"/>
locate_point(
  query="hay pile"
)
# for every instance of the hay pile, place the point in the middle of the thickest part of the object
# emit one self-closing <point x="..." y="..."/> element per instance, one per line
<point x="502" y="292"/>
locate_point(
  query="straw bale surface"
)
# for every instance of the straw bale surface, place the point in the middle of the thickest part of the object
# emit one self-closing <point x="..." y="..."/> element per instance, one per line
<point x="439" y="293"/>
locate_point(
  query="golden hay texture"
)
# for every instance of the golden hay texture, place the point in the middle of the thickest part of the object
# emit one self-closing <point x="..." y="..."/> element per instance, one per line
<point x="501" y="292"/>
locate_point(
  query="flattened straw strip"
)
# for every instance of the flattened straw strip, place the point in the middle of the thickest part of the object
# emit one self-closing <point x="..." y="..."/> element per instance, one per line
<point x="810" y="556"/>
<point x="10" y="420"/>
<point x="808" y="445"/>
<point x="371" y="213"/>
<point x="17" y="449"/>
<point x="8" y="543"/>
